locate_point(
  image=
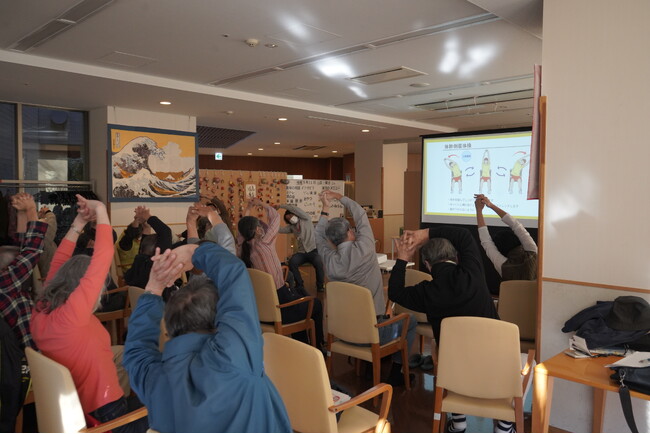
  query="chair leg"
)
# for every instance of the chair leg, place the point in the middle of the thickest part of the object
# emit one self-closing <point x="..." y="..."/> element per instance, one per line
<point x="519" y="414"/>
<point x="405" y="366"/>
<point x="312" y="334"/>
<point x="357" y="366"/>
<point x="438" y="416"/>
<point x="421" y="344"/>
<point x="328" y="363"/>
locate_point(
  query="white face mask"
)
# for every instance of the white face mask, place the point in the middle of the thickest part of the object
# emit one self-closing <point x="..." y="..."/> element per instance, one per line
<point x="293" y="220"/>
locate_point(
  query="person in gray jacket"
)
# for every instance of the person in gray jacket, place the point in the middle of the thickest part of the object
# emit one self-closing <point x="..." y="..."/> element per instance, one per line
<point x="299" y="224"/>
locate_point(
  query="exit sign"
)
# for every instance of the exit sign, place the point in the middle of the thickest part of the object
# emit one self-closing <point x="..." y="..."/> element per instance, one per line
<point x="218" y="155"/>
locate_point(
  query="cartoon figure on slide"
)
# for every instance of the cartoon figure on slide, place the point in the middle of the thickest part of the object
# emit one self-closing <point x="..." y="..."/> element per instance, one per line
<point x="486" y="173"/>
<point x="515" y="172"/>
<point x="456" y="174"/>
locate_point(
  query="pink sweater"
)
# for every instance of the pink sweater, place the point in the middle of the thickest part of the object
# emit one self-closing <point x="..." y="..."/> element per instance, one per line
<point x="73" y="336"/>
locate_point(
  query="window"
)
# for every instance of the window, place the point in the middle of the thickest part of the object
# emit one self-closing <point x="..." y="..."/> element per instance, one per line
<point x="8" y="161"/>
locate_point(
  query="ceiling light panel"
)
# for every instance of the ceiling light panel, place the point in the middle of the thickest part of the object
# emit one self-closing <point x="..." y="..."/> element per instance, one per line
<point x="398" y="73"/>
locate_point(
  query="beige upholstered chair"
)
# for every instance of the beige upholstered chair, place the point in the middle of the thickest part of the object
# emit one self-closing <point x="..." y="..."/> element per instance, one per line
<point x="269" y="308"/>
<point x="134" y="294"/>
<point x="298" y="372"/>
<point x="57" y="404"/>
<point x="352" y="320"/>
<point x="423" y="329"/>
<point x="479" y="371"/>
<point x="518" y="305"/>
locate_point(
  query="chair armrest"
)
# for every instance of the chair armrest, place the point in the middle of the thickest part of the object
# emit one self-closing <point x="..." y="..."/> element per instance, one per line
<point x="116" y="290"/>
<point x="307" y="299"/>
<point x="122" y="420"/>
<point x="386" y="390"/>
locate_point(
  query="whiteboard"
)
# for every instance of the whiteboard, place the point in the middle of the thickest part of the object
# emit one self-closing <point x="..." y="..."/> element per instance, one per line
<point x="303" y="193"/>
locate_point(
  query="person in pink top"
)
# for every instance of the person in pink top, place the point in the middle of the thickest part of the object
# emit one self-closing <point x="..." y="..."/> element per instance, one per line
<point x="65" y="329"/>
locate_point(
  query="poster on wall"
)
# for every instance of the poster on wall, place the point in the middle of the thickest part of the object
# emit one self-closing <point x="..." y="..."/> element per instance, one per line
<point x="148" y="164"/>
<point x="304" y="193"/>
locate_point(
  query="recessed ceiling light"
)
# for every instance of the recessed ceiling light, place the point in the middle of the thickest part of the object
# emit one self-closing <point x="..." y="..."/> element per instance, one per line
<point x="250" y="153"/>
<point x="365" y="131"/>
<point x="315" y="155"/>
<point x="165" y="103"/>
<point x="334" y="152"/>
<point x="260" y="149"/>
<point x="276" y="143"/>
<point x="282" y="119"/>
<point x="271" y="45"/>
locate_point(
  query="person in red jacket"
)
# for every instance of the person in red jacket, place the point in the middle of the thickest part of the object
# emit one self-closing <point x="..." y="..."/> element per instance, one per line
<point x="65" y="329"/>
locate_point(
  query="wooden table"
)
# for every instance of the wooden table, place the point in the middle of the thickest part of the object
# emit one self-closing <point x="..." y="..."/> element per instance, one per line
<point x="591" y="372"/>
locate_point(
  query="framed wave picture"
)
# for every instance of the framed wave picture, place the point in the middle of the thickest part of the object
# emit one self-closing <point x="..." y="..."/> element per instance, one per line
<point x="148" y="164"/>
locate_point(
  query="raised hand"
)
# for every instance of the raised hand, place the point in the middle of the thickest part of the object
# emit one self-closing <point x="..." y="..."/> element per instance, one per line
<point x="142" y="214"/>
<point x="23" y="202"/>
<point x="164" y="272"/>
<point x="405" y="247"/>
<point x="417" y="238"/>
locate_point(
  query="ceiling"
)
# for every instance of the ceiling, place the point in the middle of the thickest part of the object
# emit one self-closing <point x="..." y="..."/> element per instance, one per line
<point x="193" y="53"/>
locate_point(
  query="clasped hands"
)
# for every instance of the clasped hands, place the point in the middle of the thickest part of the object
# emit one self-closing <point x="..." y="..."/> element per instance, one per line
<point x="409" y="242"/>
<point x="168" y="266"/>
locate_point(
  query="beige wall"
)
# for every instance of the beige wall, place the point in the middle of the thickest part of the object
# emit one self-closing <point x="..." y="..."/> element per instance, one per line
<point x="595" y="75"/>
<point x="395" y="163"/>
<point x="368" y="160"/>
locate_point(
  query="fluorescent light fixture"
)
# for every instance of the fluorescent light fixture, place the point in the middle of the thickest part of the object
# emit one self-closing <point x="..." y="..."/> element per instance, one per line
<point x="276" y="143"/>
<point x="260" y="149"/>
<point x="165" y="103"/>
<point x="250" y="153"/>
<point x="334" y="152"/>
<point x="315" y="155"/>
<point x="282" y="119"/>
<point x="365" y="131"/>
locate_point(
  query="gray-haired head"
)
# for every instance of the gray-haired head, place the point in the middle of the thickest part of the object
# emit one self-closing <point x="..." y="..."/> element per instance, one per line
<point x="337" y="230"/>
<point x="438" y="250"/>
<point x="65" y="281"/>
<point x="192" y="308"/>
<point x="7" y="255"/>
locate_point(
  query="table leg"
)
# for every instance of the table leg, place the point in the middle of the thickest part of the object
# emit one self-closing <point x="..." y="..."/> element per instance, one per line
<point x="542" y="399"/>
<point x="600" y="395"/>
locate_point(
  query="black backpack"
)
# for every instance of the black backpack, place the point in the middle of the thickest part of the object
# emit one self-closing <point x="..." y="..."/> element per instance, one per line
<point x="13" y="383"/>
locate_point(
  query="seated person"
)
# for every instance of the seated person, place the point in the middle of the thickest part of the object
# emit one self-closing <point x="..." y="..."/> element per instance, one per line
<point x="349" y="256"/>
<point x="210" y="226"/>
<point x="65" y="329"/>
<point x="458" y="289"/>
<point x="256" y="247"/>
<point x="128" y="244"/>
<point x="138" y="274"/>
<point x="513" y="251"/>
<point x="300" y="225"/>
<point x="210" y="376"/>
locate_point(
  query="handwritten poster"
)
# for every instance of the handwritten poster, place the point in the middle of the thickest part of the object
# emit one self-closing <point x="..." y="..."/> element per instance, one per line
<point x="303" y="193"/>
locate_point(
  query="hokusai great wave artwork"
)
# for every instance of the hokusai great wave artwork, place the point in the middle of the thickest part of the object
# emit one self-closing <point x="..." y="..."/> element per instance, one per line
<point x="152" y="165"/>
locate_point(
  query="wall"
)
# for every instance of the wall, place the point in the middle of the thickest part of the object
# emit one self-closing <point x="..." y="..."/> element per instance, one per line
<point x="595" y="77"/>
<point x="122" y="212"/>
<point x="395" y="162"/>
<point x="368" y="162"/>
<point x="309" y="168"/>
<point x="348" y="166"/>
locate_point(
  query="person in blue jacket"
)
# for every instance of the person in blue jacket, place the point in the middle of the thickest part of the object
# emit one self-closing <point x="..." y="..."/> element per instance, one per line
<point x="210" y="376"/>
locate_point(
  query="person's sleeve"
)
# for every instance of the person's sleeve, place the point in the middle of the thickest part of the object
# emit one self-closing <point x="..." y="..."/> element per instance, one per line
<point x="520" y="231"/>
<point x="285" y="229"/>
<point x="411" y="297"/>
<point x="302" y="215"/>
<point x="163" y="232"/>
<point x="50" y="219"/>
<point x="490" y="248"/>
<point x="221" y="235"/>
<point x="238" y="341"/>
<point x="126" y="241"/>
<point x="469" y="256"/>
<point x="365" y="236"/>
<point x="324" y="247"/>
<point x="273" y="226"/>
<point x="20" y="269"/>
<point x="142" y="357"/>
<point x="81" y="304"/>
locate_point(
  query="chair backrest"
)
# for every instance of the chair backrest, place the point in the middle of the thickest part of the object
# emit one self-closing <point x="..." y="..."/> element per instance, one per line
<point x="518" y="305"/>
<point x="479" y="357"/>
<point x="57" y="404"/>
<point x="298" y="372"/>
<point x="134" y="294"/>
<point x="351" y="313"/>
<point x="266" y="296"/>
<point x="412" y="278"/>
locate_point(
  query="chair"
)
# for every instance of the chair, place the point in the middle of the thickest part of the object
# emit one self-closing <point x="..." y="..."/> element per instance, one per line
<point x="298" y="372"/>
<point x="423" y="329"/>
<point x="479" y="371"/>
<point x="134" y="294"/>
<point x="115" y="321"/>
<point x="57" y="404"/>
<point x="269" y="308"/>
<point x="352" y="320"/>
<point x="518" y="305"/>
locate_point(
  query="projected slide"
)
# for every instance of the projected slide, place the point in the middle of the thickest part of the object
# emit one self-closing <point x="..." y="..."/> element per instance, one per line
<point x="456" y="167"/>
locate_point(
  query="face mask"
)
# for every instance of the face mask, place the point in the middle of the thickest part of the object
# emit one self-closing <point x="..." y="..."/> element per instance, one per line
<point x="293" y="220"/>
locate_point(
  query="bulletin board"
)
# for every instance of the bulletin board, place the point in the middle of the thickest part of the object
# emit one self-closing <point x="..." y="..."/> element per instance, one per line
<point x="303" y="193"/>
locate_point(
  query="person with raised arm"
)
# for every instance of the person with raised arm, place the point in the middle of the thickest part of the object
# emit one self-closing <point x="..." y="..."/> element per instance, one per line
<point x="210" y="376"/>
<point x="513" y="251"/>
<point x="66" y="330"/>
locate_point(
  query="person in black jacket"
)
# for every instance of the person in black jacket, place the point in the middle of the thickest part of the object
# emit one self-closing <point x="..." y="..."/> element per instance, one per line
<point x="458" y="287"/>
<point x="138" y="274"/>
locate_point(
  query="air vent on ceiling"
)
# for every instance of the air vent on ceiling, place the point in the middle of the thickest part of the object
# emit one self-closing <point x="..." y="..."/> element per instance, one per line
<point x="387" y="75"/>
<point x="308" y="148"/>
<point x="69" y="18"/>
<point x="209" y="137"/>
<point x="477" y="100"/>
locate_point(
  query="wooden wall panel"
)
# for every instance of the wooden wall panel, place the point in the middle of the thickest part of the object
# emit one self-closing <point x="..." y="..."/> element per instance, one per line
<point x="309" y="168"/>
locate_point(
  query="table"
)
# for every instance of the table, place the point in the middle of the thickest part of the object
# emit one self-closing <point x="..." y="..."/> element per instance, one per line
<point x="591" y="372"/>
